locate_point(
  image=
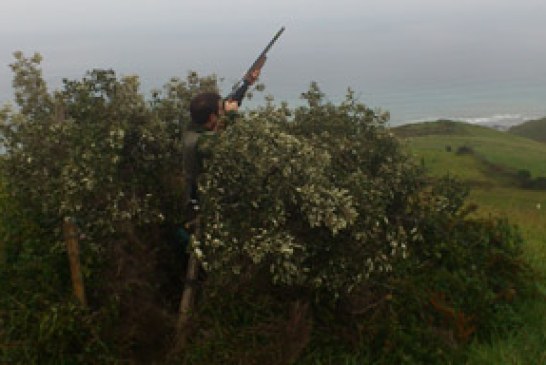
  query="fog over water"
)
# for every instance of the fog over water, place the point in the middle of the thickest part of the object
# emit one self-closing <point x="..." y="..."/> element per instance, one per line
<point x="419" y="59"/>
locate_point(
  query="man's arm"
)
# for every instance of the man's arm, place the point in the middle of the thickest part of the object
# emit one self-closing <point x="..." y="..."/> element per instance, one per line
<point x="238" y="93"/>
<point x="232" y="105"/>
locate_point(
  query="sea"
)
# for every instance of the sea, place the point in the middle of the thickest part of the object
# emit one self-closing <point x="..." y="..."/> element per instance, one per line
<point x="499" y="105"/>
<point x="503" y="97"/>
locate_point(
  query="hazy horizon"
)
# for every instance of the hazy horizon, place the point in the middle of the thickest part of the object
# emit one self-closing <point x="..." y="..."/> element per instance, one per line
<point x="419" y="59"/>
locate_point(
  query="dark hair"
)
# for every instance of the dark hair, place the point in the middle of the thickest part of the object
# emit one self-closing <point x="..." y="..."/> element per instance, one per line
<point x="202" y="106"/>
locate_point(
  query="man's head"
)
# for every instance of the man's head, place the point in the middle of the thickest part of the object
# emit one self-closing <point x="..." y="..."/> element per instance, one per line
<point x="205" y="109"/>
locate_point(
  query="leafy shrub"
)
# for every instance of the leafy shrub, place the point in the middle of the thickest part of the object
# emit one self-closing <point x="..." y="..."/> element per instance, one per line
<point x="317" y="230"/>
<point x="321" y="206"/>
<point x="283" y="199"/>
<point x="97" y="152"/>
<point x="465" y="150"/>
<point x="526" y="181"/>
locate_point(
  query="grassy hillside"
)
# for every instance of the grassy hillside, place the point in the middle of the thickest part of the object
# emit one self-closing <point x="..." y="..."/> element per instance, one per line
<point x="533" y="129"/>
<point x="490" y="169"/>
<point x="488" y="166"/>
<point x="493" y="154"/>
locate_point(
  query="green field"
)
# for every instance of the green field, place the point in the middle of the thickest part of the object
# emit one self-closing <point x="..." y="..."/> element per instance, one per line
<point x="489" y="169"/>
<point x="492" y="149"/>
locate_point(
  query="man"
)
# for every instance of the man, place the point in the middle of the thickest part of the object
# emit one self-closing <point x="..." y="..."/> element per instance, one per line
<point x="206" y="111"/>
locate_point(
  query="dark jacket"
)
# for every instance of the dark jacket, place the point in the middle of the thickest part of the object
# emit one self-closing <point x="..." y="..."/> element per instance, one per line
<point x="191" y="160"/>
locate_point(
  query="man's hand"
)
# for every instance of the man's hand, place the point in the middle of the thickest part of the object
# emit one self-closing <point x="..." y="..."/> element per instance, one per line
<point x="231" y="105"/>
<point x="228" y="106"/>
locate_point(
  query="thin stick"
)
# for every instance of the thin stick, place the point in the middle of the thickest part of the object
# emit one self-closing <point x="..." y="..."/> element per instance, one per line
<point x="187" y="302"/>
<point x="71" y="239"/>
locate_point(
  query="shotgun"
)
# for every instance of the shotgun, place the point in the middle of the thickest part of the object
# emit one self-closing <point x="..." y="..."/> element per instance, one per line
<point x="239" y="89"/>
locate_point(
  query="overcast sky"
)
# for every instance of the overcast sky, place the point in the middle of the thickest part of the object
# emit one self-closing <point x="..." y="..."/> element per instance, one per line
<point x="392" y="52"/>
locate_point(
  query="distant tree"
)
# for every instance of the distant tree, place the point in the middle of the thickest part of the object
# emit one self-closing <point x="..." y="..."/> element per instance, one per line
<point x="465" y="150"/>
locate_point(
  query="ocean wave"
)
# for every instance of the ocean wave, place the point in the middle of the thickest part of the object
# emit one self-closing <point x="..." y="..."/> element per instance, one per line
<point x="499" y="118"/>
<point x="496" y="120"/>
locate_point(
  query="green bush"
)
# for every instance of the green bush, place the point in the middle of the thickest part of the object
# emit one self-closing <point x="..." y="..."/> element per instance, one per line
<point x="320" y="209"/>
<point x="322" y="241"/>
<point x="40" y="322"/>
<point x="97" y="152"/>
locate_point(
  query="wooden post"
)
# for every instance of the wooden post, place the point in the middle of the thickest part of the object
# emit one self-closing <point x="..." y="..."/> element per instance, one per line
<point x="59" y="112"/>
<point x="187" y="301"/>
<point x="72" y="246"/>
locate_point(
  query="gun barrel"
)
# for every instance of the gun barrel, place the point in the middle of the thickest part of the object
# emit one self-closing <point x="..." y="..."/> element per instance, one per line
<point x="239" y="89"/>
<point x="264" y="52"/>
<point x="273" y="41"/>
